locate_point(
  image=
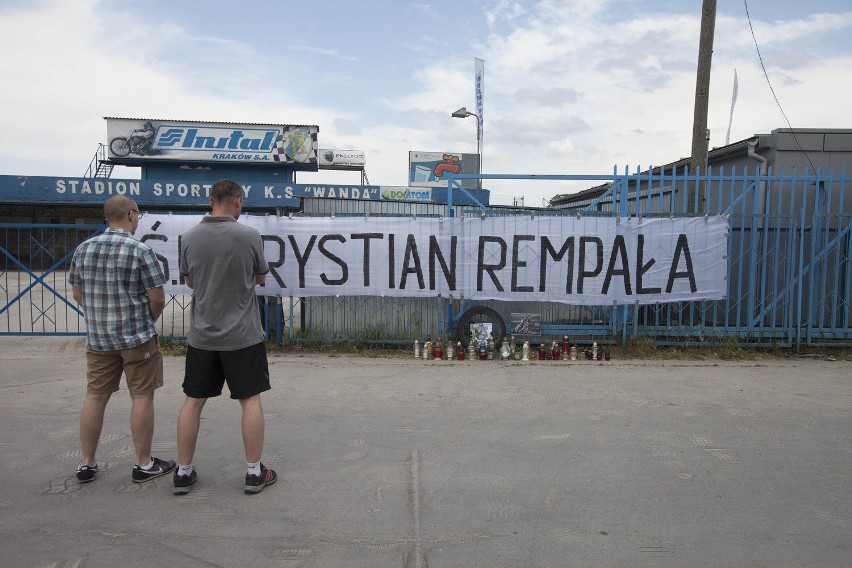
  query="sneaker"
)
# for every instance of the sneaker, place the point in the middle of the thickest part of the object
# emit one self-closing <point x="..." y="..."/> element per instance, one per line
<point x="160" y="467"/>
<point x="256" y="483"/>
<point x="183" y="482"/>
<point x="86" y="473"/>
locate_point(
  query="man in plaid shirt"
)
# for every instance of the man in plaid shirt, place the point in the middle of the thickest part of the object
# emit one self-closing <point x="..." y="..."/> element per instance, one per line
<point x="119" y="284"/>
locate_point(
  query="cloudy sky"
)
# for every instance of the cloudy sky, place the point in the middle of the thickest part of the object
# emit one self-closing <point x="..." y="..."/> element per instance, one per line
<point x="571" y="86"/>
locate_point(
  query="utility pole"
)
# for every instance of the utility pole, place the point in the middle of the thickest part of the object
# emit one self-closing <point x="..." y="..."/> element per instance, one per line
<point x="700" y="139"/>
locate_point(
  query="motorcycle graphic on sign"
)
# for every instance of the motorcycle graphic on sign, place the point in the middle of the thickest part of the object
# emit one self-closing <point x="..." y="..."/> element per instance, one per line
<point x="139" y="142"/>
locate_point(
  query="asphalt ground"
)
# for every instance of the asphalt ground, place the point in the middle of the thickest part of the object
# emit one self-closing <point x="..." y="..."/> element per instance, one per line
<point x="392" y="462"/>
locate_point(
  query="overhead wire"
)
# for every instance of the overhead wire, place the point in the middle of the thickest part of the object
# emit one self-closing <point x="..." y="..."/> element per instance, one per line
<point x="768" y="82"/>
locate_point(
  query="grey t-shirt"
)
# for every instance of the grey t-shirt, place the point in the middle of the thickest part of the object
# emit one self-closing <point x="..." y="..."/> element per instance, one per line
<point x="223" y="257"/>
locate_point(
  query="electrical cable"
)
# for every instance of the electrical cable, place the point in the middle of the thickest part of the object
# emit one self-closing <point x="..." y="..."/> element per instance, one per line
<point x="768" y="82"/>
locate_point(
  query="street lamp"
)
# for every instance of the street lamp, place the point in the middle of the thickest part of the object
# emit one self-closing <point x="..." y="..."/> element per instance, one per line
<point x="464" y="113"/>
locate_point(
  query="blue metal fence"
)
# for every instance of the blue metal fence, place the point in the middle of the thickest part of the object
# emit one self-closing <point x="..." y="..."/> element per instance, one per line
<point x="36" y="298"/>
<point x="789" y="271"/>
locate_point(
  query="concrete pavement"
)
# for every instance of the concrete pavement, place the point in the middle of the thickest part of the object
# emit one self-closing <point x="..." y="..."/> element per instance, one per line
<point x="392" y="462"/>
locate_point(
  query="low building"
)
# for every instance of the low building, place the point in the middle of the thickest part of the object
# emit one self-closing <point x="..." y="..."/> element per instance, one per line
<point x="784" y="152"/>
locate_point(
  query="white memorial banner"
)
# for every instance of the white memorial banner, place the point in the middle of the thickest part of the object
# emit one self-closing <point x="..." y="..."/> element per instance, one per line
<point x="590" y="260"/>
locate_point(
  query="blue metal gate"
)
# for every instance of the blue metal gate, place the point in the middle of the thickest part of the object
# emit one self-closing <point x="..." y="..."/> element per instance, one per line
<point x="36" y="297"/>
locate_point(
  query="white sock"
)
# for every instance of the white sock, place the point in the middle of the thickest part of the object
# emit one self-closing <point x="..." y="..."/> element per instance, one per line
<point x="150" y="464"/>
<point x="185" y="469"/>
<point x="253" y="468"/>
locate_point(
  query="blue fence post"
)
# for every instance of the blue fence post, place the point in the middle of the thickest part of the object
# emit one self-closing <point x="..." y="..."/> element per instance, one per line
<point x="279" y="320"/>
<point x="624" y="216"/>
<point x="292" y="327"/>
<point x="801" y="278"/>
<point x="448" y="311"/>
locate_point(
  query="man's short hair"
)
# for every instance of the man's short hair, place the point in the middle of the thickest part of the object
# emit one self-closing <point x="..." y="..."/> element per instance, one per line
<point x="225" y="188"/>
<point x="117" y="206"/>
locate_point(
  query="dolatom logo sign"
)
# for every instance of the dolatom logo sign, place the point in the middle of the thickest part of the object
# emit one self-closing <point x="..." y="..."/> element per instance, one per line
<point x="403" y="193"/>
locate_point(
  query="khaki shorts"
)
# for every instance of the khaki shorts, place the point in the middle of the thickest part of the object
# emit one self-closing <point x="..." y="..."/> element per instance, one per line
<point x="142" y="366"/>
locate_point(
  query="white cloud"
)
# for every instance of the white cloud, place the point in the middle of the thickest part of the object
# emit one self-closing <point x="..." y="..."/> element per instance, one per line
<point x="571" y="86"/>
<point x="549" y="97"/>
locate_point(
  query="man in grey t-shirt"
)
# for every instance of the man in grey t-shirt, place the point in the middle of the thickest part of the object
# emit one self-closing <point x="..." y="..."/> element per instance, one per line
<point x="222" y="261"/>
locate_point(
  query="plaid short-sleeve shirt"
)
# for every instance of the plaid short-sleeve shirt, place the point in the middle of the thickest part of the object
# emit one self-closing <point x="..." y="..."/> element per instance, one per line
<point x="115" y="271"/>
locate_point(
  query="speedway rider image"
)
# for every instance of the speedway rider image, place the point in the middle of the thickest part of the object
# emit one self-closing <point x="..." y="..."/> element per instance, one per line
<point x="139" y="142"/>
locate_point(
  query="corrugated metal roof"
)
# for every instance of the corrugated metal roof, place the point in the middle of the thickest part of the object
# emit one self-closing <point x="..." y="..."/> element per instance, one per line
<point x="208" y="121"/>
<point x="715" y="154"/>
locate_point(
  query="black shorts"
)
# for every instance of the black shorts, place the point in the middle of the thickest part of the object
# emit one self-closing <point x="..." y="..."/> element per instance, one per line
<point x="245" y="370"/>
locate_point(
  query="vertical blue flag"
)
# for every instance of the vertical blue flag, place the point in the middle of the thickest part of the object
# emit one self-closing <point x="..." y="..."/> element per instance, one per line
<point x="479" y="87"/>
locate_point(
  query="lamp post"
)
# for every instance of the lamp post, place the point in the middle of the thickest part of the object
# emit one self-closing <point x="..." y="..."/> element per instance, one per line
<point x="464" y="113"/>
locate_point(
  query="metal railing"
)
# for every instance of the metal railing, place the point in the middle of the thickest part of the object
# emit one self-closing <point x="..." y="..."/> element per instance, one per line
<point x="99" y="167"/>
